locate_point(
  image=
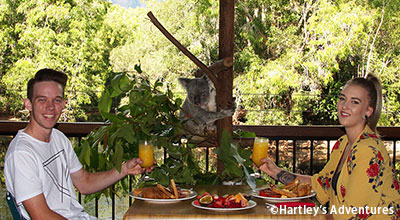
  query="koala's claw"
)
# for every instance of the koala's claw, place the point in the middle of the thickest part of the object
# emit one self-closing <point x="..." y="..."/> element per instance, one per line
<point x="228" y="112"/>
<point x="231" y="108"/>
<point x="232" y="104"/>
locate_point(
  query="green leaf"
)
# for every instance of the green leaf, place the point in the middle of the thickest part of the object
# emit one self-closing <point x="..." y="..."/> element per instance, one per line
<point x="178" y="101"/>
<point x="119" y="152"/>
<point x="96" y="136"/>
<point x="113" y="117"/>
<point x="126" y="131"/>
<point x="161" y="176"/>
<point x="102" y="161"/>
<point x="105" y="102"/>
<point x="170" y="94"/>
<point x="94" y="161"/>
<point x="243" y="134"/>
<point x="235" y="153"/>
<point x="125" y="83"/>
<point x="84" y="157"/>
<point x="115" y="85"/>
<point x="115" y="93"/>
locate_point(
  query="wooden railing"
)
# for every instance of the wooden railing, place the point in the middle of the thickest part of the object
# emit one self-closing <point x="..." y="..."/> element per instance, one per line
<point x="276" y="134"/>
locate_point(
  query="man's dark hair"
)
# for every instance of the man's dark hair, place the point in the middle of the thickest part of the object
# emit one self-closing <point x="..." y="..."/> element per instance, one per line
<point x="47" y="75"/>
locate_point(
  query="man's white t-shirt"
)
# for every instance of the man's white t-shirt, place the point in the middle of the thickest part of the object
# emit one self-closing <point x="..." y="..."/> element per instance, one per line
<point x="33" y="167"/>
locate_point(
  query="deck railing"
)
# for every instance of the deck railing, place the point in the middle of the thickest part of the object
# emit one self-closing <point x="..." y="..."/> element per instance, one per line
<point x="283" y="139"/>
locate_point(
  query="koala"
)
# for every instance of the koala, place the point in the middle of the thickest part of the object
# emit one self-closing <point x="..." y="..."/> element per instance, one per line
<point x="199" y="110"/>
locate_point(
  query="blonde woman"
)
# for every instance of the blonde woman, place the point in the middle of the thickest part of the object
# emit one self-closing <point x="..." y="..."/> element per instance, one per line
<point x="359" y="175"/>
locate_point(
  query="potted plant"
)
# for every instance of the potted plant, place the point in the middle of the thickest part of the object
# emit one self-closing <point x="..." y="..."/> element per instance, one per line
<point x="135" y="109"/>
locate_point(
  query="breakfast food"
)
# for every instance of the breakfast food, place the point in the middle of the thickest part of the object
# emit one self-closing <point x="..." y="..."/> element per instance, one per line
<point x="292" y="185"/>
<point x="151" y="193"/>
<point x="267" y="192"/>
<point x="291" y="190"/>
<point x="174" y="189"/>
<point x="283" y="192"/>
<point x="164" y="190"/>
<point x="303" y="189"/>
<point x="206" y="200"/>
<point x="161" y="192"/>
<point x="215" y="201"/>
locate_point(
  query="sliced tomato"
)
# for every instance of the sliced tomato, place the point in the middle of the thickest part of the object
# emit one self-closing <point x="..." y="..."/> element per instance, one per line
<point x="263" y="193"/>
<point x="269" y="193"/>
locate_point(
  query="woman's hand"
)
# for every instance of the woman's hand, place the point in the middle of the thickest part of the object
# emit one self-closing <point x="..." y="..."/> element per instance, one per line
<point x="269" y="167"/>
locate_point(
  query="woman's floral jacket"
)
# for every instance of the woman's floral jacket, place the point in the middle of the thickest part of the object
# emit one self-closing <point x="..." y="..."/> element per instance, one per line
<point x="367" y="187"/>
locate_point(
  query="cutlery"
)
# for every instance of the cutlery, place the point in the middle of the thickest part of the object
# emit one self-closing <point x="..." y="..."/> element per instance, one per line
<point x="269" y="205"/>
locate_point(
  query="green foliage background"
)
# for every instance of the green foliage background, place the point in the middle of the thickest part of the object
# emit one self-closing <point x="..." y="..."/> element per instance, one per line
<point x="291" y="57"/>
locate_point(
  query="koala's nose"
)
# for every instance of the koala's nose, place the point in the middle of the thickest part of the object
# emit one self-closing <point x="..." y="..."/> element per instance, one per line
<point x="197" y="100"/>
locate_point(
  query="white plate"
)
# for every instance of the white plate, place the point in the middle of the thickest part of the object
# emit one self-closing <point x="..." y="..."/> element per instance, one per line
<point x="192" y="194"/>
<point x="256" y="193"/>
<point x="252" y="204"/>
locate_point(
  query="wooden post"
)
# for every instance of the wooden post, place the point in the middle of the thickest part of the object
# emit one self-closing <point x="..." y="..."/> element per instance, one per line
<point x="225" y="78"/>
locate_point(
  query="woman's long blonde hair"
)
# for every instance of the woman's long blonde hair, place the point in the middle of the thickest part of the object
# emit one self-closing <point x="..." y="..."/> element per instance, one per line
<point x="374" y="89"/>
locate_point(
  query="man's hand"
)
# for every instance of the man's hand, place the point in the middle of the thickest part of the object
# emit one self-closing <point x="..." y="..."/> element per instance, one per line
<point x="87" y="182"/>
<point x="132" y="167"/>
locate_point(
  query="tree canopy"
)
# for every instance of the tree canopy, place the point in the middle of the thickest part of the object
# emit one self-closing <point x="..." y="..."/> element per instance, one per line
<point x="291" y="58"/>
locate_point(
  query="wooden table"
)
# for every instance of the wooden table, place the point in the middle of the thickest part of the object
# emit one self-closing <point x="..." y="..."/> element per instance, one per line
<point x="184" y="210"/>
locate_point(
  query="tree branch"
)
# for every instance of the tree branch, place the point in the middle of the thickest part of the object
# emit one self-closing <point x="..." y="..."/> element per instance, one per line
<point x="201" y="65"/>
<point x="373" y="41"/>
<point x="217" y="67"/>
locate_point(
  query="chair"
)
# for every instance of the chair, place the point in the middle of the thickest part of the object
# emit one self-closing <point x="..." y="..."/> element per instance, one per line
<point x="13" y="207"/>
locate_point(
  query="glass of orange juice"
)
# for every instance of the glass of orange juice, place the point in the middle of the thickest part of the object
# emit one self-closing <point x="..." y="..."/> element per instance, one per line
<point x="146" y="153"/>
<point x="260" y="150"/>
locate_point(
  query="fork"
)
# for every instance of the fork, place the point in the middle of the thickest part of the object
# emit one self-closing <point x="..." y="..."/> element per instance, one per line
<point x="269" y="205"/>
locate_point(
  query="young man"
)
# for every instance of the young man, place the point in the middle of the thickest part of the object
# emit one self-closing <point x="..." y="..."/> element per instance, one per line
<point x="41" y="167"/>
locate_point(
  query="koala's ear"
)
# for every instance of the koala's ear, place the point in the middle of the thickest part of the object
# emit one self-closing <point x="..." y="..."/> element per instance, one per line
<point x="205" y="77"/>
<point x="183" y="81"/>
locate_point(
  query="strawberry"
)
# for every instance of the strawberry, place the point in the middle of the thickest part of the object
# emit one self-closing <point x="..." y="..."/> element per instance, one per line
<point x="218" y="204"/>
<point x="234" y="204"/>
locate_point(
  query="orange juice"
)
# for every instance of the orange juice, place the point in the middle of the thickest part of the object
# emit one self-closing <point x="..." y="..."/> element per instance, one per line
<point x="260" y="150"/>
<point x="146" y="154"/>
